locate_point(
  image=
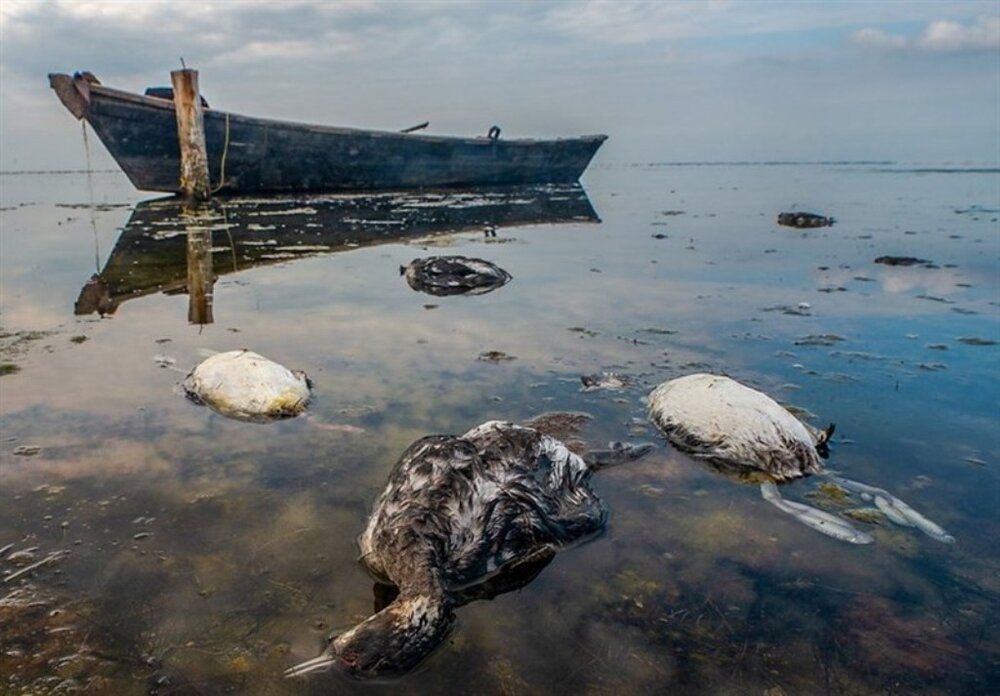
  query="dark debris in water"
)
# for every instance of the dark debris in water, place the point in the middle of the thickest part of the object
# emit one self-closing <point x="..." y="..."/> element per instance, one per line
<point x="495" y="356"/>
<point x="804" y="220"/>
<point x="819" y="340"/>
<point x="867" y="515"/>
<point x="859" y="355"/>
<point x="14" y="344"/>
<point x="934" y="298"/>
<point x="976" y="341"/>
<point x="829" y="492"/>
<point x="976" y="210"/>
<point x="902" y="261"/>
<point x="49" y="645"/>
<point x="802" y="309"/>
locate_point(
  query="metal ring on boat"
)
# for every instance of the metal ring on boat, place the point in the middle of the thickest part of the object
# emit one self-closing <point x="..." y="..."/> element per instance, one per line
<point x="494" y="133"/>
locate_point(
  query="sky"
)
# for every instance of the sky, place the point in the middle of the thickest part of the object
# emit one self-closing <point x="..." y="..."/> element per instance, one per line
<point x="668" y="80"/>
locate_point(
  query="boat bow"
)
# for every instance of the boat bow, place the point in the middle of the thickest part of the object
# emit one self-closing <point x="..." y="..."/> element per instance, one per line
<point x="73" y="92"/>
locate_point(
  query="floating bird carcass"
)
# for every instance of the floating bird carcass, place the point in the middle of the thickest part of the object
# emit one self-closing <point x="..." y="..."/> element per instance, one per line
<point x="464" y="518"/>
<point x="741" y="431"/>
<point x="454" y="275"/>
<point x="246" y="386"/>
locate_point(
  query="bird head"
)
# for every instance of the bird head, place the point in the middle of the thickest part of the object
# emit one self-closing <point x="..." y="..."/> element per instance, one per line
<point x="388" y="644"/>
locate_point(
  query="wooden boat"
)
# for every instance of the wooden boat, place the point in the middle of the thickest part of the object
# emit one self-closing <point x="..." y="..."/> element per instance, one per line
<point x="154" y="252"/>
<point x="251" y="155"/>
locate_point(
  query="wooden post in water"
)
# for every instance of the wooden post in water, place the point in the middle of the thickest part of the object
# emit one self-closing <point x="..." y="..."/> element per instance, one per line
<point x="200" y="281"/>
<point x="190" y="134"/>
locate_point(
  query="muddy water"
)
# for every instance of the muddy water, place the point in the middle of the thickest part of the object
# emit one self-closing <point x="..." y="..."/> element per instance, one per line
<point x="206" y="555"/>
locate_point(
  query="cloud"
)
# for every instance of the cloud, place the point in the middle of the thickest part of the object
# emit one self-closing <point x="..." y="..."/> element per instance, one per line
<point x="621" y="22"/>
<point x="878" y="39"/>
<point x="984" y="35"/>
<point x="940" y="36"/>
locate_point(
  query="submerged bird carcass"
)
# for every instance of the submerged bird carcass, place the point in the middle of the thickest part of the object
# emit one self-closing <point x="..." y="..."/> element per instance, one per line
<point x="741" y="431"/>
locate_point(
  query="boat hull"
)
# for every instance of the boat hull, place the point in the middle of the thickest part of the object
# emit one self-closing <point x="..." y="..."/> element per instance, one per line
<point x="249" y="155"/>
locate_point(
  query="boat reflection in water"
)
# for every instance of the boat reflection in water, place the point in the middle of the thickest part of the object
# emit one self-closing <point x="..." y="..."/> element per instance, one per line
<point x="169" y="247"/>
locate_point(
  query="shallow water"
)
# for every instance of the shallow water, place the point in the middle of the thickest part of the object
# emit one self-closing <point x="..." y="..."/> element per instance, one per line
<point x="208" y="555"/>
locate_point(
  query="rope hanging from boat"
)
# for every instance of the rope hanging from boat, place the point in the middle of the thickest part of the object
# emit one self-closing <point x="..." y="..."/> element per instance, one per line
<point x="90" y="198"/>
<point x="222" y="163"/>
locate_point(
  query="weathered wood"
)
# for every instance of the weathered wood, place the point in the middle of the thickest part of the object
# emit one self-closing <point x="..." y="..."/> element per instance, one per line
<point x="72" y="92"/>
<point x="190" y="134"/>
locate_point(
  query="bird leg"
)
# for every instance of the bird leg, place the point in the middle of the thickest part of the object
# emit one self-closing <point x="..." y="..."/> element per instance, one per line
<point x="821" y="521"/>
<point x="895" y="509"/>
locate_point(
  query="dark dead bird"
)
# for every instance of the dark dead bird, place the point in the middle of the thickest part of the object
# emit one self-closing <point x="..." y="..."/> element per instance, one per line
<point x="464" y="518"/>
<point x="454" y="275"/>
<point x="610" y="381"/>
<point x="804" y="220"/>
<point x="742" y="432"/>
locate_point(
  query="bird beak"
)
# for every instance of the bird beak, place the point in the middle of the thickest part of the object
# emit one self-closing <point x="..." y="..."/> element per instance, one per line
<point x="316" y="664"/>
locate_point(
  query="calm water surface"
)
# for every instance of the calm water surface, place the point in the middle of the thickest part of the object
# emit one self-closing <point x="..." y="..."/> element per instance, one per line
<point x="206" y="555"/>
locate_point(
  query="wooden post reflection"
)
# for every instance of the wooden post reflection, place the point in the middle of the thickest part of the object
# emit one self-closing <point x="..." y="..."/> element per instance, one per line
<point x="200" y="280"/>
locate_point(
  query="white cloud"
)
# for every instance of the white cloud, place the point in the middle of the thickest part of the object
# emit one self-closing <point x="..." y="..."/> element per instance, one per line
<point x="876" y="38"/>
<point x="940" y="36"/>
<point x="984" y="35"/>
<point x="640" y="21"/>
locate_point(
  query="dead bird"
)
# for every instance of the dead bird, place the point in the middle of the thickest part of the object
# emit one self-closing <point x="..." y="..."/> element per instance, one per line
<point x="246" y="386"/>
<point x="454" y="275"/>
<point x="741" y="431"/>
<point x="804" y="220"/>
<point x="611" y="381"/>
<point x="464" y="518"/>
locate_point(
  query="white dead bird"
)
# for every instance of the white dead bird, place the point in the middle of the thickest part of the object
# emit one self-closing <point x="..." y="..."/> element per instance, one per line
<point x="739" y="430"/>
<point x="243" y="385"/>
